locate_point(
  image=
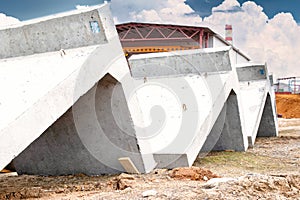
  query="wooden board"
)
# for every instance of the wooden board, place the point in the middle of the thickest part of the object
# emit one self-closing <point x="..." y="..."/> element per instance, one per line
<point x="128" y="165"/>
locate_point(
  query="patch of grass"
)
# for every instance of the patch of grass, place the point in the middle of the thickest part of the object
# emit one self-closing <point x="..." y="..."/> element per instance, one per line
<point x="238" y="163"/>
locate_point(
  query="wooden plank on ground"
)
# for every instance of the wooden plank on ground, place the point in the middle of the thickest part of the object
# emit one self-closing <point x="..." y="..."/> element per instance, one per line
<point x="128" y="165"/>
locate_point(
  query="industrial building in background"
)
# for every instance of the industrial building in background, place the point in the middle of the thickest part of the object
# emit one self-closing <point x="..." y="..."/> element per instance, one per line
<point x="138" y="38"/>
<point x="80" y="106"/>
<point x="287" y="85"/>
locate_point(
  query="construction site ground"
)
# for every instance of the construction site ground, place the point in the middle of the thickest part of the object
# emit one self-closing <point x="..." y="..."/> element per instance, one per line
<point x="270" y="170"/>
<point x="288" y="105"/>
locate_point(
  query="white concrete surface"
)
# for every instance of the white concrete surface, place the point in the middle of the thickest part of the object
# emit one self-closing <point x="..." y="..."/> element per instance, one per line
<point x="256" y="92"/>
<point x="253" y="99"/>
<point x="181" y="95"/>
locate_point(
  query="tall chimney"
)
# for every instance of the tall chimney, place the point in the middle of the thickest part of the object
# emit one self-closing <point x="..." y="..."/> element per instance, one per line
<point x="228" y="33"/>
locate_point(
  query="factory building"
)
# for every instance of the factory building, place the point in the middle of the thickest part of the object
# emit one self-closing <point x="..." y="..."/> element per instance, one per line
<point x="138" y="38"/>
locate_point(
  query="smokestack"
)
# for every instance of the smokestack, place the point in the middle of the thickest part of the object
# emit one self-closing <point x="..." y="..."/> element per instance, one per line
<point x="228" y="33"/>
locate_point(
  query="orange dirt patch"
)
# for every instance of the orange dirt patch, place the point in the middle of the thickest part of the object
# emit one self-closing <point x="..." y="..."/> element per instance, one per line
<point x="192" y="173"/>
<point x="288" y="105"/>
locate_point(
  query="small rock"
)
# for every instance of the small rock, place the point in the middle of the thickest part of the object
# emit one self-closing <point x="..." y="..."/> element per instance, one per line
<point x="122" y="182"/>
<point x="155" y="181"/>
<point x="149" y="193"/>
<point x="205" y="178"/>
<point x="216" y="182"/>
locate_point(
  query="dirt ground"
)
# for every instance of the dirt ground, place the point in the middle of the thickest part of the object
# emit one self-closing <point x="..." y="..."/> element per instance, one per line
<point x="270" y="170"/>
<point x="288" y="105"/>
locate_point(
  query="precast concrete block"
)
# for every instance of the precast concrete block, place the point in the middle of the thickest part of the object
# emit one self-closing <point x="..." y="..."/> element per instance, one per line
<point x="258" y="101"/>
<point x="86" y="139"/>
<point x="184" y="93"/>
<point x="65" y="106"/>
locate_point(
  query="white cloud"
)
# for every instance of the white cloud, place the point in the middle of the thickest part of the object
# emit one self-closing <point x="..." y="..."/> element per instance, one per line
<point x="7" y="20"/>
<point x="228" y="6"/>
<point x="81" y="7"/>
<point x="168" y="11"/>
<point x="275" y="41"/>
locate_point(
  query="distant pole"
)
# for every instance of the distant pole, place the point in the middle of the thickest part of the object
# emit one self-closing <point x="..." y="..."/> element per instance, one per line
<point x="228" y="33"/>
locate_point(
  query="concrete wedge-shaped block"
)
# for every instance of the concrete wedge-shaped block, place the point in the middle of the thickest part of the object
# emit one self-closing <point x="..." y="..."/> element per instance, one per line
<point x="87" y="138"/>
<point x="257" y="101"/>
<point x="190" y="88"/>
<point x="68" y="114"/>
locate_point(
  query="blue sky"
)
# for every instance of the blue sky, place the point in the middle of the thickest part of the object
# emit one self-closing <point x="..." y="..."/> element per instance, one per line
<point x="27" y="9"/>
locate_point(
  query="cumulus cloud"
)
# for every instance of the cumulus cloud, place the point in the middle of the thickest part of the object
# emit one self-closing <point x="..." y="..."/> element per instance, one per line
<point x="229" y="6"/>
<point x="275" y="41"/>
<point x="168" y="11"/>
<point x="81" y="7"/>
<point x="7" y="20"/>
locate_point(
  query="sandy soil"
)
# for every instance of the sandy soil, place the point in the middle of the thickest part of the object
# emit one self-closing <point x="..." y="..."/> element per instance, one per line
<point x="288" y="105"/>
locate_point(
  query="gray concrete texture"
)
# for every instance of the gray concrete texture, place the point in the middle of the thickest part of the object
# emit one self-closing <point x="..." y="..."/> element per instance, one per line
<point x="227" y="133"/>
<point x="62" y="32"/>
<point x="252" y="73"/>
<point x="182" y="62"/>
<point x="62" y="148"/>
<point x="268" y="124"/>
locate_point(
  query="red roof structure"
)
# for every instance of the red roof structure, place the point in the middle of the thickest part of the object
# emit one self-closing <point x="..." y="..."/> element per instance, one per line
<point x="149" y="37"/>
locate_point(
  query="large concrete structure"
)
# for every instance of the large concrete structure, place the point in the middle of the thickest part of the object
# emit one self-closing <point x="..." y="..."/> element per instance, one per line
<point x="57" y="116"/>
<point x="206" y="85"/>
<point x="258" y="101"/>
<point x="74" y="104"/>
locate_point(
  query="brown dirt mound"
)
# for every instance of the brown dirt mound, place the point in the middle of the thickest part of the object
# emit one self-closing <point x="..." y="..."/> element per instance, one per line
<point x="288" y="105"/>
<point x="192" y="173"/>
